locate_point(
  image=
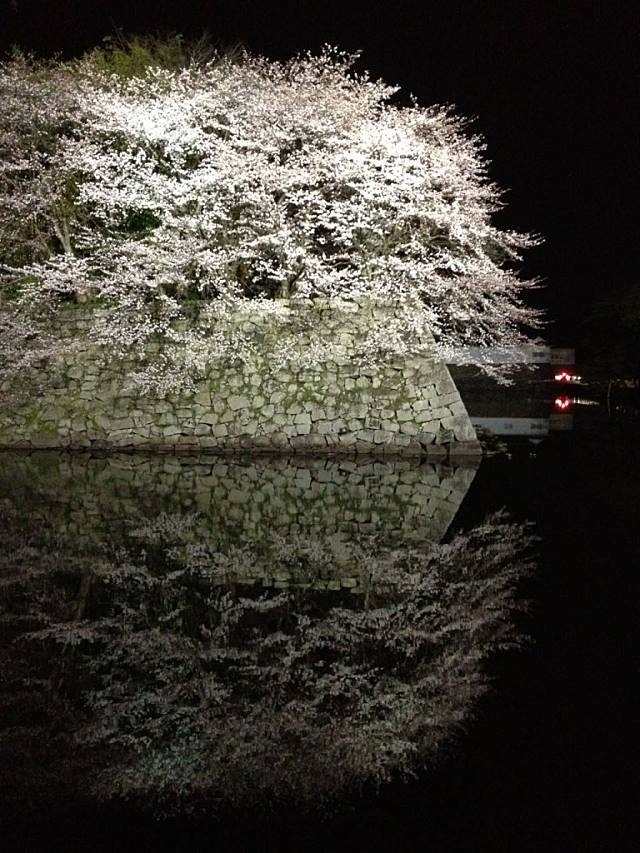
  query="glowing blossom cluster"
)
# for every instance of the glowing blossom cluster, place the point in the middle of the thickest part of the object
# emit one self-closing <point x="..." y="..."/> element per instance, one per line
<point x="228" y="186"/>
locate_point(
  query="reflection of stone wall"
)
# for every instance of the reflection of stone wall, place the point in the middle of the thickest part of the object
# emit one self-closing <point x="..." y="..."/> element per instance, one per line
<point x="408" y="406"/>
<point x="97" y="503"/>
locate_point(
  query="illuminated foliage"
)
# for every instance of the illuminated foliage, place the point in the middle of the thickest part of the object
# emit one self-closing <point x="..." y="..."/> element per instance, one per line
<point x="232" y="183"/>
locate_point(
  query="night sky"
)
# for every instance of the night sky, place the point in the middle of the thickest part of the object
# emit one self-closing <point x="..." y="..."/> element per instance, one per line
<point x="552" y="86"/>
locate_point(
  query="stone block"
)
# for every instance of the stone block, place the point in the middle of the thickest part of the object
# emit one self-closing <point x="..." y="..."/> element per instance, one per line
<point x="120" y="424"/>
<point x="383" y="436"/>
<point x="445" y="384"/>
<point x="457" y="408"/>
<point x="303" y="478"/>
<point x="42" y="440"/>
<point x="317" y="414"/>
<point x="310" y="442"/>
<point x="426" y="438"/>
<point x="461" y="426"/>
<point x="280" y="441"/>
<point x="449" y="398"/>
<point x="323" y="475"/>
<point x="414" y="448"/>
<point x="348" y="439"/>
<point x="424" y="416"/>
<point x="366" y="435"/>
<point x="402" y="440"/>
<point x="409" y="428"/>
<point x="236" y="403"/>
<point x="356" y="410"/>
<point x="440" y="412"/>
<point x="445" y="436"/>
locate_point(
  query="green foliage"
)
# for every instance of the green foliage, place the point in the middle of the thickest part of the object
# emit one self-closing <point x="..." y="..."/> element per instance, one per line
<point x="610" y="333"/>
<point x="130" y="56"/>
<point x="139" y="221"/>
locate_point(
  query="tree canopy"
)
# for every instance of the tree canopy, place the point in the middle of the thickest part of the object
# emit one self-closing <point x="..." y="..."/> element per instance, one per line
<point x="166" y="186"/>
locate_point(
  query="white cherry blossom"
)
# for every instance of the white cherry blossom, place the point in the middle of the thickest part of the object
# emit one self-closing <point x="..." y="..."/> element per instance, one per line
<point x="230" y="185"/>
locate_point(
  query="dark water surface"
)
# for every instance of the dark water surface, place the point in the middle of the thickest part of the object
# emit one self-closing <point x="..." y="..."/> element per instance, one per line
<point x="201" y="653"/>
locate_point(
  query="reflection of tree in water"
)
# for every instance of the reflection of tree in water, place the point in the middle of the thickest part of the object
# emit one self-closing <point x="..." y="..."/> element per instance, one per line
<point x="154" y="675"/>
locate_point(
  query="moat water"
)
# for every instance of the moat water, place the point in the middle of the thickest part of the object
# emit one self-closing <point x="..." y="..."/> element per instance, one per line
<point x="214" y="653"/>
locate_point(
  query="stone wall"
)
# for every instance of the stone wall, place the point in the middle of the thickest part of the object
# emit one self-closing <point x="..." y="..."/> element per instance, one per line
<point x="342" y="405"/>
<point x="96" y="506"/>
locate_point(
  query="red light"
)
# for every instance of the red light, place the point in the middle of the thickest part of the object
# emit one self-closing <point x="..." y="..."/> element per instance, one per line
<point x="563" y="403"/>
<point x="564" y="376"/>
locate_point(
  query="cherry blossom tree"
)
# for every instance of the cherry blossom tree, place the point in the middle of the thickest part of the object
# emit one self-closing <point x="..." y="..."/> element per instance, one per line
<point x="175" y="199"/>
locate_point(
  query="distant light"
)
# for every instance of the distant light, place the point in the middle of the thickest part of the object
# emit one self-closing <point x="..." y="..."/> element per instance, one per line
<point x="563" y="403"/>
<point x="563" y="376"/>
